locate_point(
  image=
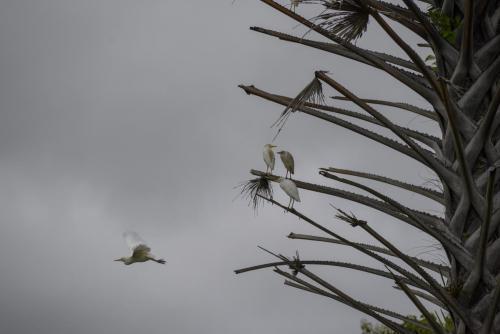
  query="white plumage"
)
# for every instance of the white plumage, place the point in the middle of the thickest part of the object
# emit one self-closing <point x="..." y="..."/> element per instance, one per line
<point x="140" y="251"/>
<point x="133" y="240"/>
<point x="290" y="189"/>
<point x="268" y="155"/>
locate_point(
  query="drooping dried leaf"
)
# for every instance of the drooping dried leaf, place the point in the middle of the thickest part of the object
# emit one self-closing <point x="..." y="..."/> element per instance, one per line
<point x="344" y="18"/>
<point x="254" y="188"/>
<point x="349" y="218"/>
<point x="313" y="93"/>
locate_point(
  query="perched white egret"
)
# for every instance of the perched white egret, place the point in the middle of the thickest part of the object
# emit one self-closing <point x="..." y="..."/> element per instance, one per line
<point x="268" y="155"/>
<point x="290" y="189"/>
<point x="287" y="159"/>
<point x="140" y="251"/>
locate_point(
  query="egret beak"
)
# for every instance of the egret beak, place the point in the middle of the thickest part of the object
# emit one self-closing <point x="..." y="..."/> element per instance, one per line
<point x="117" y="260"/>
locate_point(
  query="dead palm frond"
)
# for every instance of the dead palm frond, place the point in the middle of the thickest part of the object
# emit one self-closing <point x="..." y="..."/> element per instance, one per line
<point x="312" y="93"/>
<point x="349" y="218"/>
<point x="255" y="189"/>
<point x="344" y="18"/>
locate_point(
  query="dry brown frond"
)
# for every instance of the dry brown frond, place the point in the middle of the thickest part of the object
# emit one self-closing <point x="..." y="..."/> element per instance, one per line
<point x="255" y="189"/>
<point x="313" y="93"/>
<point x="345" y="19"/>
<point x="349" y="218"/>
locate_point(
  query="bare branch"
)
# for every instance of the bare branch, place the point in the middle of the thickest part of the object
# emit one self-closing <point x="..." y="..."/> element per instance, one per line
<point x="417" y="110"/>
<point x="431" y="77"/>
<point x="415" y="279"/>
<point x="442" y="235"/>
<point x="427" y="315"/>
<point x="429" y="193"/>
<point x="435" y="165"/>
<point x="433" y="221"/>
<point x="339" y="49"/>
<point x="338" y="121"/>
<point x="444" y="48"/>
<point x="373" y="271"/>
<point x="425" y="92"/>
<point x="425" y="138"/>
<point x="425" y="296"/>
<point x="321" y="292"/>
<point x="343" y="298"/>
<point x="360" y="306"/>
<point x="438" y="268"/>
<point x="448" y="300"/>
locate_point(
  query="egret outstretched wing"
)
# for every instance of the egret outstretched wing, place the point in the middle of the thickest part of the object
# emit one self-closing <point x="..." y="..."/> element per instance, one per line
<point x="140" y="251"/>
<point x="135" y="242"/>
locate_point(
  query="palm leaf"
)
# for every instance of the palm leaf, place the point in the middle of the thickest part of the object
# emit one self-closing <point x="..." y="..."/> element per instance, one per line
<point x="255" y="189"/>
<point x="312" y="93"/>
<point x="344" y="18"/>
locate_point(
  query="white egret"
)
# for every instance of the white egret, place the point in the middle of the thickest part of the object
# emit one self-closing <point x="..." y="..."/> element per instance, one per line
<point x="140" y="251"/>
<point x="290" y="189"/>
<point x="287" y="159"/>
<point x="268" y="155"/>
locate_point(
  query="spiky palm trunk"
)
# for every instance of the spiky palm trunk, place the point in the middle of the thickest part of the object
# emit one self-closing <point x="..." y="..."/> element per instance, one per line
<point x="464" y="94"/>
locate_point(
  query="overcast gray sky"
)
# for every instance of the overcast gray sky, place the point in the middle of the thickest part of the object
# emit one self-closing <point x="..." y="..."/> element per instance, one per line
<point x="123" y="115"/>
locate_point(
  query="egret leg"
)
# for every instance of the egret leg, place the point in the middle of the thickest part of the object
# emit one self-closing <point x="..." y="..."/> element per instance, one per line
<point x="151" y="258"/>
<point x="293" y="201"/>
<point x="161" y="261"/>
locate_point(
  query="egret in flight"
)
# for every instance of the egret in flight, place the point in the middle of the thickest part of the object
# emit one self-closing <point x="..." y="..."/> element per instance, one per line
<point x="140" y="251"/>
<point x="287" y="159"/>
<point x="290" y="189"/>
<point x="268" y="155"/>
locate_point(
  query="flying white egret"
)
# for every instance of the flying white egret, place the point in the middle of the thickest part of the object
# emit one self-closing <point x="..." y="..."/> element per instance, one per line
<point x="287" y="159"/>
<point x="268" y="155"/>
<point x="290" y="189"/>
<point x="140" y="251"/>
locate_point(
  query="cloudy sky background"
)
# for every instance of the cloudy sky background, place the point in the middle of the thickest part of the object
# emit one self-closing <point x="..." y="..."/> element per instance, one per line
<point x="123" y="115"/>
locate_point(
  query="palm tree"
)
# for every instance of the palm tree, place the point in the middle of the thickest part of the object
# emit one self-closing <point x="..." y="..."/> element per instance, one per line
<point x="462" y="90"/>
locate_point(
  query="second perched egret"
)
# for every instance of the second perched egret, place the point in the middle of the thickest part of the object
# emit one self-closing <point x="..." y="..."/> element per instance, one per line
<point x="290" y="189"/>
<point x="140" y="251"/>
<point x="287" y="159"/>
<point x="268" y="155"/>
